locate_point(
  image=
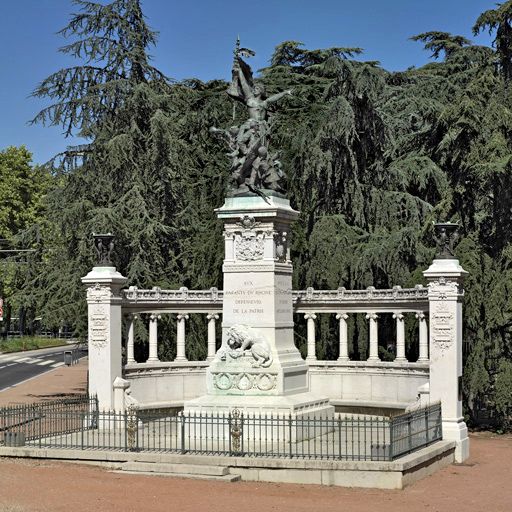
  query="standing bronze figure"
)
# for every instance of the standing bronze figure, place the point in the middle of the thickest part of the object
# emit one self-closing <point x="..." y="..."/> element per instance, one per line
<point x="253" y="167"/>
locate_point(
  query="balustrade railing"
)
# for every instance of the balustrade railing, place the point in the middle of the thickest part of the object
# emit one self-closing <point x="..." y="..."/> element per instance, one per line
<point x="373" y="303"/>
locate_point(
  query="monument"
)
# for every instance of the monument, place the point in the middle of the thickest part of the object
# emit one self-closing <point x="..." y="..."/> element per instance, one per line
<point x="258" y="370"/>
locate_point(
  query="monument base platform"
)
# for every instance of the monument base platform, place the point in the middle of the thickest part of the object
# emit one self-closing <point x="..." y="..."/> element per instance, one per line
<point x="299" y="405"/>
<point x="272" y="419"/>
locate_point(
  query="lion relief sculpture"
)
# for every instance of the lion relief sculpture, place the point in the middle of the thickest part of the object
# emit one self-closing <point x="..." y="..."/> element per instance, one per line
<point x="241" y="339"/>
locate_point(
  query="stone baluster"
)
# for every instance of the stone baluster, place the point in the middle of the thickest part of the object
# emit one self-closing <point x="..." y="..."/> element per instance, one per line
<point x="180" y="338"/>
<point x="374" y="337"/>
<point x="311" y="317"/>
<point x="153" y="338"/>
<point x="212" y="317"/>
<point x="131" y="339"/>
<point x="400" y="337"/>
<point x="342" y="317"/>
<point x="422" y="318"/>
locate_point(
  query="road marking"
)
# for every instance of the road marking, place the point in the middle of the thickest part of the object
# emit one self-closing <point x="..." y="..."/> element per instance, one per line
<point x="2" y="367"/>
<point x="32" y="360"/>
<point x="44" y="363"/>
<point x="8" y="358"/>
<point x="56" y="365"/>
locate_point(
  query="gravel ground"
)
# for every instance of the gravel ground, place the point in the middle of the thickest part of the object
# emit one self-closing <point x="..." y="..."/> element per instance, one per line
<point x="483" y="483"/>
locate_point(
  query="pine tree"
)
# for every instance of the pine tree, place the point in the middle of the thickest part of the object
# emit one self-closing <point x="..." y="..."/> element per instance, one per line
<point x="128" y="177"/>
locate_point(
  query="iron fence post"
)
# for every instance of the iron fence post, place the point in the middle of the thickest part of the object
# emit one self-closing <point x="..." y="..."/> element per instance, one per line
<point x="290" y="433"/>
<point x="125" y="431"/>
<point x="440" y="422"/>
<point x="229" y="433"/>
<point x="137" y="430"/>
<point x="182" y="417"/>
<point x="391" y="423"/>
<point x="409" y="433"/>
<point x="426" y="425"/>
<point x="82" y="428"/>
<point x="339" y="436"/>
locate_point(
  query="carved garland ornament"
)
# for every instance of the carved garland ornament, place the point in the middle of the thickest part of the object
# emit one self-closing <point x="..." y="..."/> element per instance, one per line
<point x="443" y="331"/>
<point x="244" y="381"/>
<point x="442" y="288"/>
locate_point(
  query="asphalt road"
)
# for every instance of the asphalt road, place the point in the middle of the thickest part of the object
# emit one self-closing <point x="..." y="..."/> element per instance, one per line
<point x="20" y="366"/>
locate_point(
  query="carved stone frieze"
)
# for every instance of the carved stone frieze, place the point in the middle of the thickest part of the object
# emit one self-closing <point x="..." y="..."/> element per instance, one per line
<point x="249" y="246"/>
<point x="98" y="330"/>
<point x="442" y="289"/>
<point x="98" y="293"/>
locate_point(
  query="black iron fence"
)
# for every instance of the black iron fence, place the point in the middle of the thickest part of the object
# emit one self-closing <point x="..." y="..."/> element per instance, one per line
<point x="28" y="422"/>
<point x="342" y="437"/>
<point x="414" y="430"/>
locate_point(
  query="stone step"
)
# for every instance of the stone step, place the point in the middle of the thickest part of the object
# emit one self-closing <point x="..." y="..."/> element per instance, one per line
<point x="189" y="469"/>
<point x="196" y="476"/>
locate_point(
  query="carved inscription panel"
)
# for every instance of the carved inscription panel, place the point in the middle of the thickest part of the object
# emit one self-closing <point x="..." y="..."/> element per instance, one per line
<point x="443" y="325"/>
<point x="249" y="300"/>
<point x="98" y="326"/>
<point x="283" y="299"/>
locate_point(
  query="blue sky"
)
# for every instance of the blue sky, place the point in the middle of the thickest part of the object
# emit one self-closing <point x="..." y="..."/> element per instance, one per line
<point x="197" y="37"/>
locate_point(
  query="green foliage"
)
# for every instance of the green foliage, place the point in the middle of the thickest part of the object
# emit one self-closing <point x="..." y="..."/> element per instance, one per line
<point x="503" y="395"/>
<point x="22" y="194"/>
<point x="22" y="188"/>
<point x="29" y="343"/>
<point x="499" y="20"/>
<point x="438" y="42"/>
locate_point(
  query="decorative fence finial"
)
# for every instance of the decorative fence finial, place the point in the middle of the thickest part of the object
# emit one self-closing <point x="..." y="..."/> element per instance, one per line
<point x="446" y="237"/>
<point x="104" y="245"/>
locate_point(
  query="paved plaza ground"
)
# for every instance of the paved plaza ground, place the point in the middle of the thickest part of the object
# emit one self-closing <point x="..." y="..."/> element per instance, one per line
<point x="483" y="483"/>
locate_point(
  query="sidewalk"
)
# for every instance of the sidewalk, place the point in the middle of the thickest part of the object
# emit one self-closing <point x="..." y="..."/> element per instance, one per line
<point x="52" y="385"/>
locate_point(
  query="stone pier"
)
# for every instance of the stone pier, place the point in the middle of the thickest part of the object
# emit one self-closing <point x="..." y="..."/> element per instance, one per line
<point x="104" y="312"/>
<point x="445" y="277"/>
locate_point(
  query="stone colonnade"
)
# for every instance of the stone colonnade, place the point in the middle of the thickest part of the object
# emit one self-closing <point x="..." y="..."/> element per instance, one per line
<point x="180" y="337"/>
<point x="372" y="318"/>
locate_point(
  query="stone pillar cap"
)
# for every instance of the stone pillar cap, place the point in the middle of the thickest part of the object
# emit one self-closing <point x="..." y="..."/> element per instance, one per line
<point x="104" y="275"/>
<point x="235" y="207"/>
<point x="445" y="268"/>
<point x="120" y="383"/>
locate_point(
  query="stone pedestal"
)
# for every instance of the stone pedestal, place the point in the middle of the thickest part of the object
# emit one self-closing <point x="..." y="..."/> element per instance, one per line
<point x="104" y="318"/>
<point x="445" y="277"/>
<point x="258" y="369"/>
